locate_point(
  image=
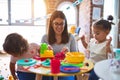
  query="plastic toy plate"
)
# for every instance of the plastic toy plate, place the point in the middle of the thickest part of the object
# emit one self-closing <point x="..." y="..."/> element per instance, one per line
<point x="26" y="62"/>
<point x="69" y="69"/>
<point x="46" y="63"/>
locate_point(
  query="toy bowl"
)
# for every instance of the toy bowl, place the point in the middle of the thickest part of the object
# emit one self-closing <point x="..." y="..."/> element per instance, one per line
<point x="74" y="57"/>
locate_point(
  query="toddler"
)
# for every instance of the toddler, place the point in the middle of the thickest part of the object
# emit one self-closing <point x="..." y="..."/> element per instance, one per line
<point x="18" y="48"/>
<point x="99" y="46"/>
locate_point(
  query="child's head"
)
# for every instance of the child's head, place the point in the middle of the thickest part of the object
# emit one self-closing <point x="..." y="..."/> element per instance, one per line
<point x="15" y="44"/>
<point x="101" y="29"/>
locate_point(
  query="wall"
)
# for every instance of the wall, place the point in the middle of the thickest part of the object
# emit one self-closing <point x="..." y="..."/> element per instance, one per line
<point x="84" y="20"/>
<point x="51" y="5"/>
<point x="31" y="33"/>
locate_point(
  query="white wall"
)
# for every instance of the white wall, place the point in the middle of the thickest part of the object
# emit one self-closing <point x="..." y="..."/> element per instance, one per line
<point x="31" y="33"/>
<point x="111" y="8"/>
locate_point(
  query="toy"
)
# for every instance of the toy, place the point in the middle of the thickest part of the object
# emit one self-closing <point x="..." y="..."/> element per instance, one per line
<point x="10" y="77"/>
<point x="43" y="47"/>
<point x="72" y="29"/>
<point x="117" y="54"/>
<point x="60" y="55"/>
<point x="1" y="77"/>
<point x="46" y="63"/>
<point x="26" y="62"/>
<point x="47" y="54"/>
<point x="74" y="57"/>
<point x="44" y="52"/>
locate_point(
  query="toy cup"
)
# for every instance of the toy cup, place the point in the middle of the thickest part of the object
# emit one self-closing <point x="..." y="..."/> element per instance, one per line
<point x="55" y="66"/>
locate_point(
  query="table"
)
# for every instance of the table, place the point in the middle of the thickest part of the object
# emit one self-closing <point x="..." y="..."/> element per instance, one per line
<point x="102" y="69"/>
<point x="40" y="71"/>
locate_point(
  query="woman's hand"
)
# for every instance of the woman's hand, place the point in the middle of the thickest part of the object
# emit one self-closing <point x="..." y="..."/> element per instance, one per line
<point x="65" y="49"/>
<point x="50" y="47"/>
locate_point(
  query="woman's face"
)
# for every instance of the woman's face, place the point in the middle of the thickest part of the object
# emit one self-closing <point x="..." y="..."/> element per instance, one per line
<point x="58" y="25"/>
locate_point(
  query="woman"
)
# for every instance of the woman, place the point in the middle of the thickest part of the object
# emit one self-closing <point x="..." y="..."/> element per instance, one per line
<point x="58" y="38"/>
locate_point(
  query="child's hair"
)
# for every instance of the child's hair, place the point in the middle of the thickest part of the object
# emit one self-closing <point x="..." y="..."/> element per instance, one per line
<point x="15" y="44"/>
<point x="104" y="24"/>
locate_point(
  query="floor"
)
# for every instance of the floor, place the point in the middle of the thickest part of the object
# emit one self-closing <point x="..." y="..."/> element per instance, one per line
<point x="4" y="65"/>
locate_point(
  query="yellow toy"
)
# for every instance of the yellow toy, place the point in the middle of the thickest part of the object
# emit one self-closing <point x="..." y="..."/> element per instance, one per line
<point x="10" y="77"/>
<point x="47" y="54"/>
<point x="44" y="52"/>
<point x="74" y="57"/>
<point x="72" y="29"/>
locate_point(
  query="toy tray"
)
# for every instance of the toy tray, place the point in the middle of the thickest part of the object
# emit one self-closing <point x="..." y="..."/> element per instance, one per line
<point x="26" y="62"/>
<point x="69" y="69"/>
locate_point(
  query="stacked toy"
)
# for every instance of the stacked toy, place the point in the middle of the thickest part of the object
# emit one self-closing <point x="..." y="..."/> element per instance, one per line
<point x="74" y="59"/>
<point x="44" y="52"/>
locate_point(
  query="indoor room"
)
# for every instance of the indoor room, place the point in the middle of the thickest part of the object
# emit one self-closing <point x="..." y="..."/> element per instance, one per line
<point x="31" y="19"/>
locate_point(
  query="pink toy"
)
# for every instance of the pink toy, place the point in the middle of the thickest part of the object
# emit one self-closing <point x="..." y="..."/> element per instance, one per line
<point x="60" y="55"/>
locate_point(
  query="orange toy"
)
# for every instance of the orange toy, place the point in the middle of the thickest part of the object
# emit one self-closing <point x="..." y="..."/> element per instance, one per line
<point x="10" y="77"/>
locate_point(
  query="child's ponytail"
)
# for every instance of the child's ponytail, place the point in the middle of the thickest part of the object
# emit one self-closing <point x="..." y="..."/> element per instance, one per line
<point x="110" y="19"/>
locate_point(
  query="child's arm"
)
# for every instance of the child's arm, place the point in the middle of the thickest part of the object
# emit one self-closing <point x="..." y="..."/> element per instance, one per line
<point x="12" y="69"/>
<point x="84" y="42"/>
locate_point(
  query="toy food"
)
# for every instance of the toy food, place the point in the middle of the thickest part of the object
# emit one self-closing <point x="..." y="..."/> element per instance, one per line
<point x="74" y="57"/>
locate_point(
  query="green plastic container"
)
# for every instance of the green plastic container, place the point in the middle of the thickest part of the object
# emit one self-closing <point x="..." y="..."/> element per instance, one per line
<point x="117" y="53"/>
<point x="1" y="77"/>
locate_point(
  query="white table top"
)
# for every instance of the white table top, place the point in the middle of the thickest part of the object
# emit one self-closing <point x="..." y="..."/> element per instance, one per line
<point x="102" y="69"/>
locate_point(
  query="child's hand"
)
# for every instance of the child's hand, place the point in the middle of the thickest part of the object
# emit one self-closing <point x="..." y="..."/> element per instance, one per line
<point x="108" y="49"/>
<point x="87" y="53"/>
<point x="82" y="38"/>
<point x="83" y="41"/>
<point x="65" y="49"/>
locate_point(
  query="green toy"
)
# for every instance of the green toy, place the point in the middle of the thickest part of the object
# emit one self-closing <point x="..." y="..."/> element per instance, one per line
<point x="1" y="77"/>
<point x="43" y="47"/>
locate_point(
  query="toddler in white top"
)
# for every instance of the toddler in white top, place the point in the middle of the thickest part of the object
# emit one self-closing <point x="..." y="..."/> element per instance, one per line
<point x="99" y="46"/>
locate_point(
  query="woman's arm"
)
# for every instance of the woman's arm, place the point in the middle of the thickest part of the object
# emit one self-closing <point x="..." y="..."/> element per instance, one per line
<point x="73" y="44"/>
<point x="12" y="69"/>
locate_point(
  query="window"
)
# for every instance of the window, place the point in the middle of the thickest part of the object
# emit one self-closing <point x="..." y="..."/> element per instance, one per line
<point x="3" y="11"/>
<point x="69" y="10"/>
<point x="22" y="12"/>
